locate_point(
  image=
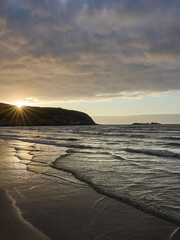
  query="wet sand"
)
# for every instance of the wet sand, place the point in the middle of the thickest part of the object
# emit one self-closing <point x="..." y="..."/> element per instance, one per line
<point x="63" y="209"/>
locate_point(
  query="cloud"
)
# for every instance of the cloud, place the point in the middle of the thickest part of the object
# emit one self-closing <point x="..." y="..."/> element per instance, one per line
<point x="68" y="50"/>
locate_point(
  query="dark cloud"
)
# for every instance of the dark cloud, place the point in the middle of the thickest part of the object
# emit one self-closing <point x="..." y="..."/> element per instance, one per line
<point x="88" y="49"/>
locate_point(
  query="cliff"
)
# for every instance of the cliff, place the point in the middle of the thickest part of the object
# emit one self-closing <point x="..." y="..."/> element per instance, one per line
<point x="11" y="115"/>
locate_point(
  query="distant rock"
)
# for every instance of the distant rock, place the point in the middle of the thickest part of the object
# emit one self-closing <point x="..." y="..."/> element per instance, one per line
<point x="152" y="123"/>
<point x="11" y="115"/>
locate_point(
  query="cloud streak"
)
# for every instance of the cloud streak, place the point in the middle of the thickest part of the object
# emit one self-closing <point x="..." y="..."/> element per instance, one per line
<point x="68" y="50"/>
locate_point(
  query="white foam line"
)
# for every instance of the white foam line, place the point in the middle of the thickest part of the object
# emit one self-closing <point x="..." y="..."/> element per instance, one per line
<point x="175" y="235"/>
<point x="98" y="201"/>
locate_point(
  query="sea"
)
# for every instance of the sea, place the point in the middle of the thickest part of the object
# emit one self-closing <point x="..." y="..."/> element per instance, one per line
<point x="135" y="164"/>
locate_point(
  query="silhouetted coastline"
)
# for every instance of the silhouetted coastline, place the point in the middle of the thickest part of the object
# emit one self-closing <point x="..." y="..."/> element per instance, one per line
<point x="11" y="115"/>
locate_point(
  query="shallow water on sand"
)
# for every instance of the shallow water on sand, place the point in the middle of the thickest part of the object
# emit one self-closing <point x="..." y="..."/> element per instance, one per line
<point x="136" y="164"/>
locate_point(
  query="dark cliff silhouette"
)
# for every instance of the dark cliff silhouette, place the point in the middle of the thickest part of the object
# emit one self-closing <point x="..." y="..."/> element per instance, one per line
<point x="11" y="115"/>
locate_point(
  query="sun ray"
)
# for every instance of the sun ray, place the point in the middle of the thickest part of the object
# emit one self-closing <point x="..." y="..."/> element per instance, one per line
<point x="10" y="111"/>
<point x="13" y="117"/>
<point x="19" y="116"/>
<point x="25" y="117"/>
<point x="16" y="116"/>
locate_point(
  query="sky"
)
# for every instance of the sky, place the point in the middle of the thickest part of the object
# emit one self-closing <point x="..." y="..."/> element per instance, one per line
<point x="104" y="57"/>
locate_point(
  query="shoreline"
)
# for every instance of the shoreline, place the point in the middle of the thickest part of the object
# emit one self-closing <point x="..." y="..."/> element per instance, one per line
<point x="64" y="209"/>
<point x="76" y="212"/>
<point x="123" y="200"/>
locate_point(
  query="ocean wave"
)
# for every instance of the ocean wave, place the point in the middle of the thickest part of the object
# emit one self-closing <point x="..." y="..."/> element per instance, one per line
<point x="6" y="136"/>
<point x="86" y="152"/>
<point x="85" y="147"/>
<point x="52" y="143"/>
<point x="171" y="138"/>
<point x="159" y="153"/>
<point x="145" y="206"/>
<point x="137" y="136"/>
<point x="175" y="144"/>
<point x="118" y="157"/>
<point x="94" y="153"/>
<point x="62" y="139"/>
<point x="13" y="136"/>
<point x="124" y="171"/>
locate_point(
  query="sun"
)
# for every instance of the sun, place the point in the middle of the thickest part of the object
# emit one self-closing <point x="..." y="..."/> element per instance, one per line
<point x="20" y="104"/>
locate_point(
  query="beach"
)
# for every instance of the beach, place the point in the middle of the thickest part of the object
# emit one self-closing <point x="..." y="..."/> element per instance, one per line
<point x="66" y="208"/>
<point x="89" y="120"/>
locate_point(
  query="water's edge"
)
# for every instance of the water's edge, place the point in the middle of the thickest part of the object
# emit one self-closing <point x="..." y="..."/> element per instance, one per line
<point x="125" y="200"/>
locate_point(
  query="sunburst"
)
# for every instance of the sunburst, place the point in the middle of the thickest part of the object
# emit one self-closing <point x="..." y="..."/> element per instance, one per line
<point x="19" y="114"/>
<point x="19" y="104"/>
